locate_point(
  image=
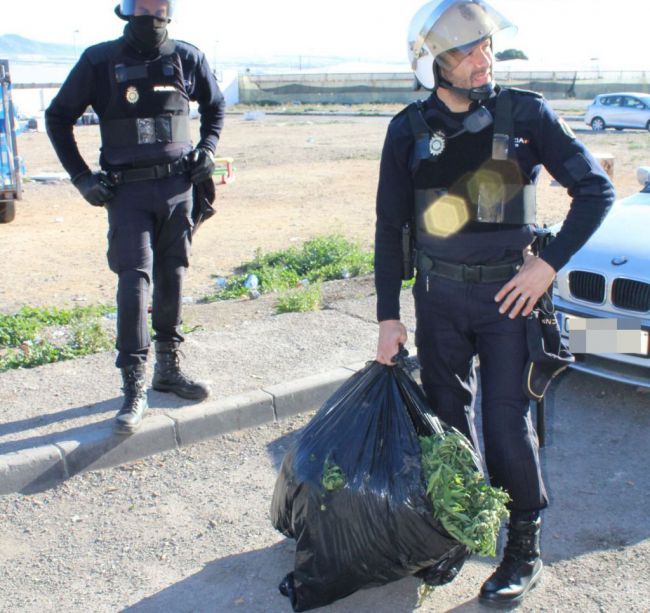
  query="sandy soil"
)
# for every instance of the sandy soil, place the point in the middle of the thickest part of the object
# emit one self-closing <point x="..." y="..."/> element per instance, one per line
<point x="296" y="177"/>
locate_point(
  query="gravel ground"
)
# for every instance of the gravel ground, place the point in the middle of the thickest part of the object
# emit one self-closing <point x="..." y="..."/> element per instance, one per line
<point x="188" y="530"/>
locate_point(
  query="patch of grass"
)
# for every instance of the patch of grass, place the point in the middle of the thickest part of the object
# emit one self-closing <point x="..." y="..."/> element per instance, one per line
<point x="24" y="341"/>
<point x="300" y="300"/>
<point x="323" y="258"/>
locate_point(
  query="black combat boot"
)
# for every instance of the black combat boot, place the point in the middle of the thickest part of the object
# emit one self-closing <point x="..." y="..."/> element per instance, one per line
<point x="168" y="376"/>
<point x="129" y="417"/>
<point x="521" y="567"/>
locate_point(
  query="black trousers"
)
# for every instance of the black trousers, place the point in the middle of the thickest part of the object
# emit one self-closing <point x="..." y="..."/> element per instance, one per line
<point x="455" y="322"/>
<point x="149" y="243"/>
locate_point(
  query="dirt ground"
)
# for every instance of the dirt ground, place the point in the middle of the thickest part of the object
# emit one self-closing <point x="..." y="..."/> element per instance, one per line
<point x="296" y="177"/>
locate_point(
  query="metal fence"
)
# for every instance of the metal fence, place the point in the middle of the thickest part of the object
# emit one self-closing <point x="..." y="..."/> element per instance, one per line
<point x="400" y="87"/>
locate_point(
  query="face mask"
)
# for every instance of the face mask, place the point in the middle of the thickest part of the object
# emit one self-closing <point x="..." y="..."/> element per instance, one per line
<point x="146" y="32"/>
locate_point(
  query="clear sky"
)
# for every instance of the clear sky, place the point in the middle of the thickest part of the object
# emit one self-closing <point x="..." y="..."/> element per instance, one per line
<point x="584" y="33"/>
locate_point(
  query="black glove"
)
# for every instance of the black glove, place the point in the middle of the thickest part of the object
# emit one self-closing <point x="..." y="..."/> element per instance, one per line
<point x="201" y="165"/>
<point x="94" y="187"/>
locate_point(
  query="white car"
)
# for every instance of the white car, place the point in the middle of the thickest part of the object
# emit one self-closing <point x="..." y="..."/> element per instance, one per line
<point x="619" y="110"/>
<point x="606" y="285"/>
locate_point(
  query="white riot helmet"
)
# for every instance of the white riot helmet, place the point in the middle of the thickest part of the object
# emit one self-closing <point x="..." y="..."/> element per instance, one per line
<point x="443" y="25"/>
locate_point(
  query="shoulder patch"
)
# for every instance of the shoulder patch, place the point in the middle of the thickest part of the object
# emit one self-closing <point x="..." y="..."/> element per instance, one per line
<point x="566" y="128"/>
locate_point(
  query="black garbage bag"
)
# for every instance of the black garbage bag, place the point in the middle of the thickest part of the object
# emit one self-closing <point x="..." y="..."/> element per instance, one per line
<point x="352" y="494"/>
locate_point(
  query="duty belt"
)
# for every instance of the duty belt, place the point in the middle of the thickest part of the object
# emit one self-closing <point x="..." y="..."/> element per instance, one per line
<point x="478" y="273"/>
<point x="159" y="171"/>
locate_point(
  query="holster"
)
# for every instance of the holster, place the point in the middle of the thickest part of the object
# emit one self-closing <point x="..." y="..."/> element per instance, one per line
<point x="548" y="354"/>
<point x="408" y="252"/>
<point x="543" y="236"/>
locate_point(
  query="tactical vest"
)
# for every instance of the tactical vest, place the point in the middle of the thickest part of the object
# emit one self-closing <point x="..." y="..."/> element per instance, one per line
<point x="497" y="193"/>
<point x="147" y="116"/>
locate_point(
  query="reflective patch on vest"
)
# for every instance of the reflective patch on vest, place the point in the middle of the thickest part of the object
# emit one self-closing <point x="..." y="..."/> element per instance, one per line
<point x="132" y="95"/>
<point x="437" y="144"/>
<point x="164" y="88"/>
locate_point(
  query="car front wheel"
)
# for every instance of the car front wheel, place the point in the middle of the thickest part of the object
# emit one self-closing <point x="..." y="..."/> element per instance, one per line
<point x="647" y="126"/>
<point x="597" y="124"/>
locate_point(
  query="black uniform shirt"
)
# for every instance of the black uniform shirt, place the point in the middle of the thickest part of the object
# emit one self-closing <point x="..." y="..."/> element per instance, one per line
<point x="540" y="138"/>
<point x="88" y="84"/>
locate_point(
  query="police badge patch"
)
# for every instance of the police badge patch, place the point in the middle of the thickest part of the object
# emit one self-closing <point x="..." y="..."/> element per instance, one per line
<point x="132" y="95"/>
<point x="437" y="144"/>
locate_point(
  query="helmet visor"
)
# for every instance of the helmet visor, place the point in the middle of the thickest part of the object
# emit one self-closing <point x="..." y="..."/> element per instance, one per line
<point x="458" y="25"/>
<point x="161" y="9"/>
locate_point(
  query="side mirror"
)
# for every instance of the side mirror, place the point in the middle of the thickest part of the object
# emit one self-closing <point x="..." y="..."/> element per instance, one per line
<point x="643" y="175"/>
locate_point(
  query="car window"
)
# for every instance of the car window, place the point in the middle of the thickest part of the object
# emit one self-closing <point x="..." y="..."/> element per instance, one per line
<point x="632" y="103"/>
<point x="605" y="100"/>
<point x="609" y="100"/>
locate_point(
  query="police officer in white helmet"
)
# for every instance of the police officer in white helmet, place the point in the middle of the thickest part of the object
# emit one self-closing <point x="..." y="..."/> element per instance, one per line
<point x="458" y="172"/>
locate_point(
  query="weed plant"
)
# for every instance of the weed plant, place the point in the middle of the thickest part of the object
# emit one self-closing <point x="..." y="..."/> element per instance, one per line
<point x="323" y="258"/>
<point x="468" y="508"/>
<point x="300" y="300"/>
<point x="24" y="341"/>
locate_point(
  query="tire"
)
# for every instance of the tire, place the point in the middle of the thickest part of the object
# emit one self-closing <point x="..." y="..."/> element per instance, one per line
<point x="598" y="124"/>
<point x="647" y="126"/>
<point x="7" y="212"/>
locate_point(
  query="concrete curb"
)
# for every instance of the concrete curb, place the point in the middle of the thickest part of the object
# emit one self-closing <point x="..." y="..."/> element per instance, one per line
<point x="97" y="446"/>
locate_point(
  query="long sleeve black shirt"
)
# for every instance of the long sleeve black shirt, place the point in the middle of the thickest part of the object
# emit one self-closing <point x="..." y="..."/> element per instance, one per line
<point x="88" y="84"/>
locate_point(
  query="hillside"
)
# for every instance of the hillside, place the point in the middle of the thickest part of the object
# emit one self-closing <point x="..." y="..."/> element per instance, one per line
<point x="13" y="46"/>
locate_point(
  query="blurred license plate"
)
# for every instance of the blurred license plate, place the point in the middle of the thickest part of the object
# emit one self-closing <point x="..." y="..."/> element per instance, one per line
<point x="604" y="335"/>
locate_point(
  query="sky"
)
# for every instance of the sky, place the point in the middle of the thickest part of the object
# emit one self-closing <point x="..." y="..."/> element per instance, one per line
<point x="603" y="34"/>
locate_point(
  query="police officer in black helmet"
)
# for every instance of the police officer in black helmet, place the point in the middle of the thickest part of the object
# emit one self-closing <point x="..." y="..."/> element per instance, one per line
<point x="458" y="170"/>
<point x="140" y="86"/>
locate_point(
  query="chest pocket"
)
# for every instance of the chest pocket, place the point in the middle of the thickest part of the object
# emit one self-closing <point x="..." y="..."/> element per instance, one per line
<point x="149" y="104"/>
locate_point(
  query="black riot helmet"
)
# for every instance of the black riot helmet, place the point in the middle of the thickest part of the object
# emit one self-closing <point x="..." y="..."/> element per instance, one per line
<point x="160" y="9"/>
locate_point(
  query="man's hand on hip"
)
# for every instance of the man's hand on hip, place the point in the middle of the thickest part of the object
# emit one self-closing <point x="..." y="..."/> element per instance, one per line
<point x="521" y="293"/>
<point x="392" y="334"/>
<point x="93" y="188"/>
